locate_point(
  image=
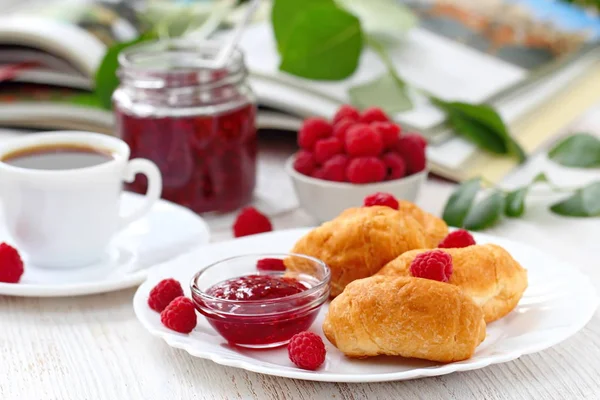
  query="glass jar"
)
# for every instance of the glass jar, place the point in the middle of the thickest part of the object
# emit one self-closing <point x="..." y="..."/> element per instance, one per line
<point x="197" y="124"/>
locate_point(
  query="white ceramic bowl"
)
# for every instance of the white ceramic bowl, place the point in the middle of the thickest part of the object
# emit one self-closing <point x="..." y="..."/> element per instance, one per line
<point x="325" y="200"/>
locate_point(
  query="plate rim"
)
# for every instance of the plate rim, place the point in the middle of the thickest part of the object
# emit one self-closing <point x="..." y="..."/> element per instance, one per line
<point x="171" y="338"/>
<point x="136" y="277"/>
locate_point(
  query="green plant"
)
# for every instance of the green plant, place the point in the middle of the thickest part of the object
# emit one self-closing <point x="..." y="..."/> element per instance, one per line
<point x="578" y="150"/>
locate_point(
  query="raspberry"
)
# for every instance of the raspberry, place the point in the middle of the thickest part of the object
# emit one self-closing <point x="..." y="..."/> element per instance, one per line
<point x="251" y="221"/>
<point x="307" y="350"/>
<point x="340" y="128"/>
<point x="319" y="173"/>
<point x="418" y="138"/>
<point x="312" y="130"/>
<point x="180" y="315"/>
<point x="365" y="170"/>
<point x="11" y="265"/>
<point x="381" y="199"/>
<point x="412" y="151"/>
<point x="396" y="167"/>
<point x="373" y="114"/>
<point x="305" y="162"/>
<point x="458" y="238"/>
<point x="362" y="140"/>
<point x="388" y="131"/>
<point x="163" y="293"/>
<point x="327" y="148"/>
<point x="334" y="169"/>
<point x="270" y="264"/>
<point x="434" y="264"/>
<point x="346" y="111"/>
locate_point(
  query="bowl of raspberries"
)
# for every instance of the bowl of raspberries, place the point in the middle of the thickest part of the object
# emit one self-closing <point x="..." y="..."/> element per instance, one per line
<point x="356" y="153"/>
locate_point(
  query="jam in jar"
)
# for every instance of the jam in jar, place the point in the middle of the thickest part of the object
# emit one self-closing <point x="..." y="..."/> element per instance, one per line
<point x="260" y="309"/>
<point x="196" y="123"/>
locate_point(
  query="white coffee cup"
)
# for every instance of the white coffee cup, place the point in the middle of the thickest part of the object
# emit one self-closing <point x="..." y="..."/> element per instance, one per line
<point x="66" y="218"/>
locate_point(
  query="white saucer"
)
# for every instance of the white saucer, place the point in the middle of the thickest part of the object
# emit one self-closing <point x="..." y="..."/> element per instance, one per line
<point x="166" y="232"/>
<point x="559" y="301"/>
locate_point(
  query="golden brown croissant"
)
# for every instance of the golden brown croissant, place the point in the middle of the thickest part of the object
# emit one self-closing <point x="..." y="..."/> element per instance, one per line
<point x="487" y="273"/>
<point x="435" y="228"/>
<point x="360" y="241"/>
<point x="403" y="316"/>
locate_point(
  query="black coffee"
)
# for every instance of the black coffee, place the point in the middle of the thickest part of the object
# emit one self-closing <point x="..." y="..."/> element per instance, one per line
<point x="57" y="157"/>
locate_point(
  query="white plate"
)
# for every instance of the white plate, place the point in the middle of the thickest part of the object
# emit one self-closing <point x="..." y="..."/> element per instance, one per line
<point x="558" y="302"/>
<point x="167" y="231"/>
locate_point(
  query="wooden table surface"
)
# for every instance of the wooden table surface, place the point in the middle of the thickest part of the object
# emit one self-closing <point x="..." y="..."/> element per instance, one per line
<point x="92" y="347"/>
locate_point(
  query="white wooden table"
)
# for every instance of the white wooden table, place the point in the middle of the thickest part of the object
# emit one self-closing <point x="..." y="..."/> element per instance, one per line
<point x="93" y="347"/>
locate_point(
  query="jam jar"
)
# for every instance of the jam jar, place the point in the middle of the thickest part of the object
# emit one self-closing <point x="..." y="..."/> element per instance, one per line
<point x="197" y="123"/>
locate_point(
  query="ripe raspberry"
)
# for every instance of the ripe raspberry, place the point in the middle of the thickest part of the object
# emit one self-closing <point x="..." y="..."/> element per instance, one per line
<point x="381" y="199"/>
<point x="396" y="167"/>
<point x="362" y="140"/>
<point x="11" y="265"/>
<point x="307" y="350"/>
<point x="305" y="162"/>
<point x="312" y="130"/>
<point x="251" y="221"/>
<point x="418" y="138"/>
<point x="340" y="128"/>
<point x="373" y="114"/>
<point x="389" y="133"/>
<point x="163" y="293"/>
<point x="334" y="169"/>
<point x="319" y="173"/>
<point x="180" y="315"/>
<point x="346" y="111"/>
<point x="327" y="148"/>
<point x="458" y="238"/>
<point x="434" y="264"/>
<point x="365" y="170"/>
<point x="270" y="264"/>
<point x="412" y="151"/>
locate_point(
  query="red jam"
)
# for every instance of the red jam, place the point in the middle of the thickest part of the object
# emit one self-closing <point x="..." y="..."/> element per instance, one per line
<point x="256" y="287"/>
<point x="254" y="320"/>
<point x="208" y="163"/>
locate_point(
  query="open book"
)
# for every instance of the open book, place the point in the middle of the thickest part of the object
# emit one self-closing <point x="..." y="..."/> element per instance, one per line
<point x="522" y="56"/>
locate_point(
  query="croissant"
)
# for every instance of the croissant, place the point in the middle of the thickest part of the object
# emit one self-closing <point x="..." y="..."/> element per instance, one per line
<point x="435" y="228"/>
<point x="361" y="240"/>
<point x="402" y="316"/>
<point x="487" y="273"/>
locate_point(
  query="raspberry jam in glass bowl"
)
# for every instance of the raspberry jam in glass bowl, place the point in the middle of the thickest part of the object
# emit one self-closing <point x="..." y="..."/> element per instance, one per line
<point x="260" y="309"/>
<point x="195" y="123"/>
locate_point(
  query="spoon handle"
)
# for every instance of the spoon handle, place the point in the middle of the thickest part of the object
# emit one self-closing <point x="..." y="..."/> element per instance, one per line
<point x="233" y="40"/>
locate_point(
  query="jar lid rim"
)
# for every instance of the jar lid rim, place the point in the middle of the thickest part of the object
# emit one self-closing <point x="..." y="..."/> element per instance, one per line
<point x="183" y="54"/>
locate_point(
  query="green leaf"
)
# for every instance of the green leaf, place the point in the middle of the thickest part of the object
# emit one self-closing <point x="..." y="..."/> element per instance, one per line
<point x="477" y="133"/>
<point x="584" y="203"/>
<point x="383" y="92"/>
<point x="515" y="202"/>
<point x="324" y="43"/>
<point x="482" y="125"/>
<point x="485" y="213"/>
<point x="580" y="150"/>
<point x="86" y="99"/>
<point x="540" y="178"/>
<point x="284" y="14"/>
<point x="460" y="202"/>
<point x="106" y="79"/>
<point x="381" y="17"/>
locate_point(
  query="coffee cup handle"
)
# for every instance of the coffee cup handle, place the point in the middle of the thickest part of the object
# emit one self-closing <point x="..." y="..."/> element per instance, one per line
<point x="148" y="168"/>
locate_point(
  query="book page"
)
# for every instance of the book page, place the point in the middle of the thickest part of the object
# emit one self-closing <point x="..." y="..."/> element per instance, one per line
<point x="108" y="21"/>
<point x="77" y="32"/>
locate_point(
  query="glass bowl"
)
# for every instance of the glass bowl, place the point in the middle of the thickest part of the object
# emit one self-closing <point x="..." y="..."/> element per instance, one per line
<point x="264" y="323"/>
